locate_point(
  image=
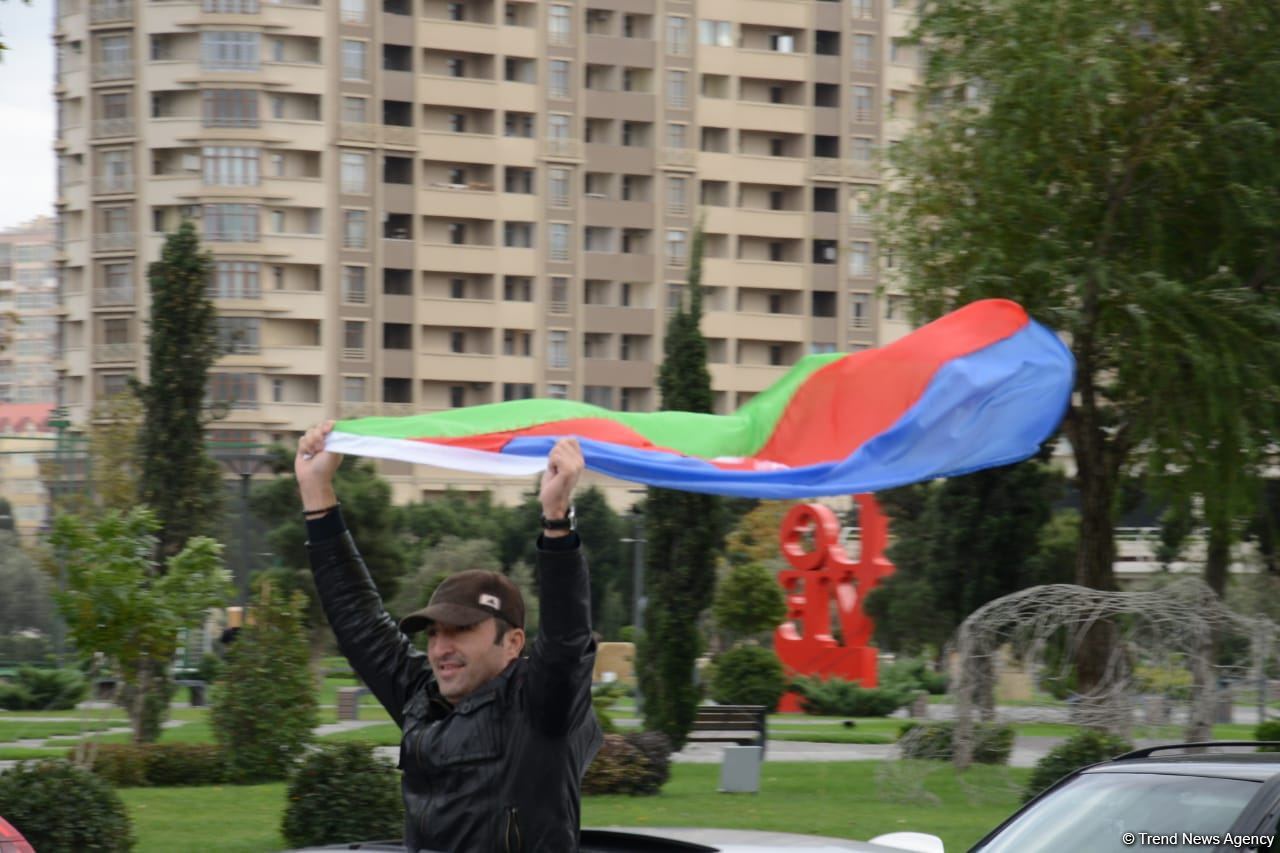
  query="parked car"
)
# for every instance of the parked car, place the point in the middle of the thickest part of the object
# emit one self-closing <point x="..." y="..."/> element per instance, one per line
<point x="1212" y="799"/>
<point x="11" y="841"/>
<point x="683" y="840"/>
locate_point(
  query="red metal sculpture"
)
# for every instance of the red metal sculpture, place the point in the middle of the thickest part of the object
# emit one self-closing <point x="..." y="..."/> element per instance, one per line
<point x="820" y="578"/>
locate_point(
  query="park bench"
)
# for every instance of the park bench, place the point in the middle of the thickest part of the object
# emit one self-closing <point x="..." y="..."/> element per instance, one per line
<point x="349" y="702"/>
<point x="744" y="725"/>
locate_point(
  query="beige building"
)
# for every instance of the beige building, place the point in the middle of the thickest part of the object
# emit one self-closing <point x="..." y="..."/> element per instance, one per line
<point x="421" y="205"/>
<point x="26" y="438"/>
<point x="28" y="313"/>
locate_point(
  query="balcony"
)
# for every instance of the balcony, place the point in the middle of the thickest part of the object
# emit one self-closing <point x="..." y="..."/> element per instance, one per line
<point x="117" y="241"/>
<point x="838" y="167"/>
<point x="106" y="297"/>
<point x="115" y="352"/>
<point x="121" y="70"/>
<point x="562" y="149"/>
<point x="681" y="158"/>
<point x="352" y="131"/>
<point x="392" y="134"/>
<point x="110" y="11"/>
<point x="108" y="184"/>
<point x="105" y="127"/>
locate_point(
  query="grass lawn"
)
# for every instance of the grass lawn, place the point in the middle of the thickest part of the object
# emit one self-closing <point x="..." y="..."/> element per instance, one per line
<point x="197" y="731"/>
<point x="15" y="730"/>
<point x="383" y="734"/>
<point x="850" y="800"/>
<point x="22" y="753"/>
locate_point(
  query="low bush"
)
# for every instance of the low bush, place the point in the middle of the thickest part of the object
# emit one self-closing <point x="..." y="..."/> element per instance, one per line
<point x="1080" y="750"/>
<point x="910" y="675"/>
<point x="43" y="690"/>
<point x="132" y="765"/>
<point x="992" y="742"/>
<point x="60" y="808"/>
<point x="637" y="764"/>
<point x="748" y="675"/>
<point x="1269" y="730"/>
<point x="603" y="697"/>
<point x="837" y="697"/>
<point x="342" y="792"/>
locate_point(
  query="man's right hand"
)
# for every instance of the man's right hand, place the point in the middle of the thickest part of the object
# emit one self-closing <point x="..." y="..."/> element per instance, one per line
<point x="314" y="467"/>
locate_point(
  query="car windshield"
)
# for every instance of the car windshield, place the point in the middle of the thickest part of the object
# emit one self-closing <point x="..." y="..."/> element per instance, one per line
<point x="1096" y="811"/>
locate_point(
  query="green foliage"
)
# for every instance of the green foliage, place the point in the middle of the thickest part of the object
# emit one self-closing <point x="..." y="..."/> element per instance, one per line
<point x="836" y="697"/>
<point x="755" y="537"/>
<point x="1173" y="682"/>
<point x="264" y="709"/>
<point x="136" y="765"/>
<point x="749" y="601"/>
<point x="43" y="690"/>
<point x="20" y="648"/>
<point x="603" y="697"/>
<point x="179" y="479"/>
<point x="959" y="543"/>
<point x="748" y="675"/>
<point x="60" y="808"/>
<point x="1080" y="750"/>
<point x="992" y="743"/>
<point x="342" y="792"/>
<point x="118" y="601"/>
<point x="1269" y="730"/>
<point x="636" y="764"/>
<point x="26" y="604"/>
<point x="908" y="675"/>
<point x="684" y="533"/>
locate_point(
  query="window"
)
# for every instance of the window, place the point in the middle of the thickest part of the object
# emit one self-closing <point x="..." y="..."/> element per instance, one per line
<point x="355" y="172"/>
<point x="677" y="35"/>
<point x="678" y="89"/>
<point x="861" y="206"/>
<point x="895" y="307"/>
<point x="229" y="51"/>
<point x="235" y="280"/>
<point x="238" y="335"/>
<point x="862" y="103"/>
<point x="240" y="390"/>
<point x="559" y="24"/>
<point x="860" y="258"/>
<point x="557" y="391"/>
<point x="457" y="122"/>
<point x="231" y="166"/>
<point x="353" y="389"/>
<point x="598" y="395"/>
<point x="230" y="108"/>
<point x="354" y="290"/>
<point x="516" y="288"/>
<point x="455" y="67"/>
<point x="355" y="110"/>
<point x="558" y="349"/>
<point x="517" y="391"/>
<point x="231" y="7"/>
<point x="558" y="239"/>
<point x="354" y="59"/>
<point x="114" y="50"/>
<point x="355" y="229"/>
<point x="782" y="43"/>
<point x="715" y="33"/>
<point x="517" y="124"/>
<point x="277" y="106"/>
<point x="864" y="9"/>
<point x="863" y="51"/>
<point x="862" y="148"/>
<point x="677" y="135"/>
<point x="457" y="341"/>
<point x="676" y="246"/>
<point x="557" y="126"/>
<point x="677" y="194"/>
<point x="517" y="342"/>
<point x="516" y="179"/>
<point x="353" y="338"/>
<point x="119" y="284"/>
<point x="558" y="82"/>
<point x="457" y="233"/>
<point x="558" y="186"/>
<point x="353" y="11"/>
<point x="456" y="11"/>
<point x="559" y="295"/>
<point x="517" y="234"/>
<point x="231" y="223"/>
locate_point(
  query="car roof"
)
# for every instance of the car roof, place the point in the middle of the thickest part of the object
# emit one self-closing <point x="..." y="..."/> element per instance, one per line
<point x="1249" y="766"/>
<point x="739" y="840"/>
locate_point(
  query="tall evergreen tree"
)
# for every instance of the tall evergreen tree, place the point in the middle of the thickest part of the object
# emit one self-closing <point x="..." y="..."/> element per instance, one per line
<point x="685" y="532"/>
<point x="180" y="481"/>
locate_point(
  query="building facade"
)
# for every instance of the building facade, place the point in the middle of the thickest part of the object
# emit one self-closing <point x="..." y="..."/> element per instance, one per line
<point x="28" y="313"/>
<point x="421" y="205"/>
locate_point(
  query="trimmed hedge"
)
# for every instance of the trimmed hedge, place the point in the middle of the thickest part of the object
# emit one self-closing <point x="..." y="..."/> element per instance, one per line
<point x="132" y="765"/>
<point x="60" y="808"/>
<point x="343" y="792"/>
<point x="1269" y="730"/>
<point x="1080" y="750"/>
<point x="43" y="690"/>
<point x="836" y="697"/>
<point x="637" y="764"/>
<point x="992" y="742"/>
<point x="748" y="675"/>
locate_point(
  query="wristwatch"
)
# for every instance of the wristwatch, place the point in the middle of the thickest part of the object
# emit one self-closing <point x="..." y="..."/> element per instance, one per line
<point x="569" y="522"/>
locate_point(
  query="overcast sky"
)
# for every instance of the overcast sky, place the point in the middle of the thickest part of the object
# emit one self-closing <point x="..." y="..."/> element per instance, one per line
<point x="26" y="111"/>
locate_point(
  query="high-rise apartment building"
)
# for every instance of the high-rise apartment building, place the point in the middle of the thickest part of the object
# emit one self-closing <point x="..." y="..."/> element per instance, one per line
<point x="416" y="204"/>
<point x="28" y="313"/>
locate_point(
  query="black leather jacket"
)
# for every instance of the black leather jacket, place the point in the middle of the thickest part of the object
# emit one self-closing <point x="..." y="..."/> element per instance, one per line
<point x="502" y="771"/>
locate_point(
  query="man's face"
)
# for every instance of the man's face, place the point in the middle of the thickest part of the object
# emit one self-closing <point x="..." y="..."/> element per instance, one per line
<point x="465" y="658"/>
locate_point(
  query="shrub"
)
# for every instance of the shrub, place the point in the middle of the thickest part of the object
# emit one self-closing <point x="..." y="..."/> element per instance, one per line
<point x="840" y="698"/>
<point x="130" y="765"/>
<point x="638" y="764"/>
<point x="43" y="690"/>
<point x="992" y="743"/>
<point x="748" y="675"/>
<point x="264" y="709"/>
<point x="603" y="697"/>
<point x="59" y="807"/>
<point x="749" y="601"/>
<point x="911" y="674"/>
<point x="342" y="792"/>
<point x="1080" y="750"/>
<point x="1269" y="730"/>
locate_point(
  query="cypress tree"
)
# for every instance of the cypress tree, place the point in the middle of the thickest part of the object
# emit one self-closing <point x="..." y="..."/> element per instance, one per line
<point x="685" y="532"/>
<point x="180" y="481"/>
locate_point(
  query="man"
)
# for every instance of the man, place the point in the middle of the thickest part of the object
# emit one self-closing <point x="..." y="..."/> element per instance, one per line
<point x="494" y="744"/>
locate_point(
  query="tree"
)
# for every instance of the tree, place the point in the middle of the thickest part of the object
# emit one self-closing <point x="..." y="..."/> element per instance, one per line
<point x="121" y="603"/>
<point x="684" y="532"/>
<point x="1110" y="166"/>
<point x="26" y="604"/>
<point x="959" y="543"/>
<point x="179" y="478"/>
<point x="755" y="538"/>
<point x="749" y="601"/>
<point x="113" y="451"/>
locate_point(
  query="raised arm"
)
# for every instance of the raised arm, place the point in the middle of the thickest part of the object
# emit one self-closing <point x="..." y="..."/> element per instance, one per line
<point x="563" y="655"/>
<point x="380" y="654"/>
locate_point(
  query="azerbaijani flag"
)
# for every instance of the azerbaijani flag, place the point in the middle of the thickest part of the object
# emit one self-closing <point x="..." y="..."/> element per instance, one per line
<point x="981" y="387"/>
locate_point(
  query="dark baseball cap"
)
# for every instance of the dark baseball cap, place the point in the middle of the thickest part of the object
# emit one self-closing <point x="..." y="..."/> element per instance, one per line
<point x="469" y="597"/>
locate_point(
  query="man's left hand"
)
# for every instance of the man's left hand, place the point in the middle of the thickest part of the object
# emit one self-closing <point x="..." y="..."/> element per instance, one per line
<point x="564" y="467"/>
